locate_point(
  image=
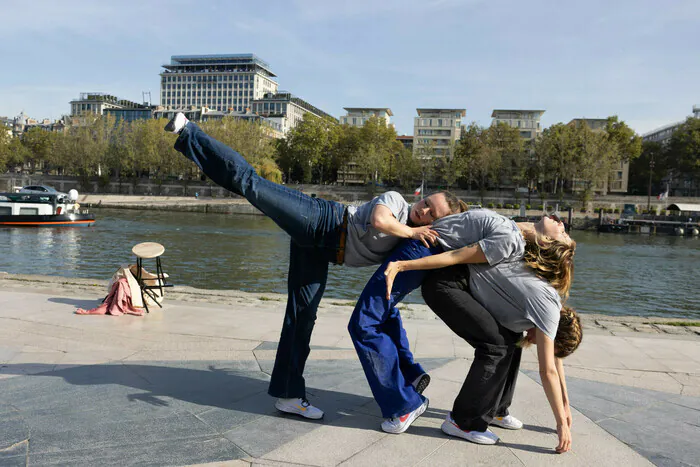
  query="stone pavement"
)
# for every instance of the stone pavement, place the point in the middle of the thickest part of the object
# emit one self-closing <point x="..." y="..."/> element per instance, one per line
<point x="187" y="385"/>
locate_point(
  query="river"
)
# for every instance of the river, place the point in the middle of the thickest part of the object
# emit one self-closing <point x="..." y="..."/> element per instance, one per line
<point x="616" y="274"/>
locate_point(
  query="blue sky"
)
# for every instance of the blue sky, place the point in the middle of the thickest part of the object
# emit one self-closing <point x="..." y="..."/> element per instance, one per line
<point x="638" y="59"/>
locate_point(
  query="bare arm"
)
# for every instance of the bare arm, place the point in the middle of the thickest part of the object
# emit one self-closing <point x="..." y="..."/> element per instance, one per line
<point x="564" y="391"/>
<point x="551" y="384"/>
<point x="468" y="254"/>
<point x="383" y="220"/>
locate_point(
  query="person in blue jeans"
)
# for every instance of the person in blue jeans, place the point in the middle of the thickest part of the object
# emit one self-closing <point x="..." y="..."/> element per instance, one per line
<point x="375" y="325"/>
<point x="321" y="232"/>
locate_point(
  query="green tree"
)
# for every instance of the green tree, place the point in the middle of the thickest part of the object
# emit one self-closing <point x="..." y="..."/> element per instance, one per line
<point x="479" y="156"/>
<point x="684" y="152"/>
<point x="377" y="147"/>
<point x="554" y="155"/>
<point x="592" y="159"/>
<point x="507" y="145"/>
<point x="308" y="146"/>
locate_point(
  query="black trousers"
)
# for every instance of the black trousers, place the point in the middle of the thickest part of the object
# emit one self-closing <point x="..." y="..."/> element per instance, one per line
<point x="488" y="389"/>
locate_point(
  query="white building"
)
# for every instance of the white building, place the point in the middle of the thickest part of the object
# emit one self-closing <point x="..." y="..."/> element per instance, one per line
<point x="663" y="134"/>
<point x="527" y="121"/>
<point x="357" y="116"/>
<point x="435" y="132"/>
<point x="219" y="82"/>
<point x="286" y="109"/>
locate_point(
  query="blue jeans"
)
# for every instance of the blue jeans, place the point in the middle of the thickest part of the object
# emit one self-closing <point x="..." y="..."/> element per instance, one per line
<point x="379" y="337"/>
<point x="314" y="224"/>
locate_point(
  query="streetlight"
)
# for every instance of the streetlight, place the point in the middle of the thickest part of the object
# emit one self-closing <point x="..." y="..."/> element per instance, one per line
<point x="651" y="169"/>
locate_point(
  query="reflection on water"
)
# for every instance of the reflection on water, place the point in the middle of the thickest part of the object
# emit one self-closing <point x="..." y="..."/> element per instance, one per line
<point x="615" y="274"/>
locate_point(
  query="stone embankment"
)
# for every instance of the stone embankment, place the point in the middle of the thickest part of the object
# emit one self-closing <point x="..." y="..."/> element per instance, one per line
<point x="581" y="221"/>
<point x="599" y="324"/>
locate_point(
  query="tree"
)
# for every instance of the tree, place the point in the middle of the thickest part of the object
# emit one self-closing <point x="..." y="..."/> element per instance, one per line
<point x="477" y="154"/>
<point x="309" y="145"/>
<point x="684" y="151"/>
<point x="377" y="147"/>
<point x="504" y="140"/>
<point x="554" y="154"/>
<point x="641" y="169"/>
<point x="592" y="159"/>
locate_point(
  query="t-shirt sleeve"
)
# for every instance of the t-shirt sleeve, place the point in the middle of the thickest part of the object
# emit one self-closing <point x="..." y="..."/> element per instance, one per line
<point x="543" y="309"/>
<point x="395" y="202"/>
<point x="500" y="246"/>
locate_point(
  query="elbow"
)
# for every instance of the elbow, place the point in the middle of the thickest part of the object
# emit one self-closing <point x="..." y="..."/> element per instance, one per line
<point x="548" y="373"/>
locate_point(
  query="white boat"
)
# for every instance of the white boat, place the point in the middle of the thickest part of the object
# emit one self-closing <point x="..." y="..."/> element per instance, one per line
<point x="32" y="209"/>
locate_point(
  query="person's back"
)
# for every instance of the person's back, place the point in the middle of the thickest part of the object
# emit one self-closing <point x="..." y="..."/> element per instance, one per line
<point x="516" y="297"/>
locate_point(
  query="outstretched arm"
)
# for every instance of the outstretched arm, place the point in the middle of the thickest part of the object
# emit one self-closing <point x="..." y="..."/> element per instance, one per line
<point x="551" y="383"/>
<point x="383" y="220"/>
<point x="468" y="254"/>
<point x="564" y="391"/>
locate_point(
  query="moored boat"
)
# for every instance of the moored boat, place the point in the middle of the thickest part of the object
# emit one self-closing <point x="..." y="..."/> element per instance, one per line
<point x="42" y="210"/>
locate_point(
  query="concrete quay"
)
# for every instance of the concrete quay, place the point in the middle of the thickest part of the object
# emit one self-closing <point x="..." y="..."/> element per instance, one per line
<point x="186" y="385"/>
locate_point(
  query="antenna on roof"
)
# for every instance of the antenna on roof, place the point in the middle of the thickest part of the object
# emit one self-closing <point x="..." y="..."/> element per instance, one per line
<point x="143" y="96"/>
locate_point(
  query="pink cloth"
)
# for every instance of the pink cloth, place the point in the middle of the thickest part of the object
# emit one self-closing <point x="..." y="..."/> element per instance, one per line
<point x="117" y="303"/>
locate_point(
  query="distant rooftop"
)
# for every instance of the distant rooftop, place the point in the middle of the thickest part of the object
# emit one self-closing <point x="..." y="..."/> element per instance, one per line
<point x="496" y="111"/>
<point x="462" y="112"/>
<point x="219" y="61"/>
<point x="370" y="109"/>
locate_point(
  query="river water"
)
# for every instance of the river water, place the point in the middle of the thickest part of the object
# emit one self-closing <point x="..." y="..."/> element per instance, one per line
<point x="616" y="274"/>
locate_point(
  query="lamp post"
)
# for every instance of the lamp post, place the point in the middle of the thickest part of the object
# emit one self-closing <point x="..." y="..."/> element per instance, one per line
<point x="651" y="169"/>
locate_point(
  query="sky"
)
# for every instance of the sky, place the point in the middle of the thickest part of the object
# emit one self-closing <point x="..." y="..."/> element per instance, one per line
<point x="638" y="59"/>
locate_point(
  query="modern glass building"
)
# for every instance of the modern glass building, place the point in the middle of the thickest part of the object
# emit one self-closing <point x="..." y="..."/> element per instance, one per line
<point x="226" y="83"/>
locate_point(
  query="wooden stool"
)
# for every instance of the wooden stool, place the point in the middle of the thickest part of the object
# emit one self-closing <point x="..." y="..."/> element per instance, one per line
<point x="149" y="250"/>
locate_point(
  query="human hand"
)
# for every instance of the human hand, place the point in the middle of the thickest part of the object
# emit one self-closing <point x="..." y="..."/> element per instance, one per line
<point x="390" y="273"/>
<point x="425" y="234"/>
<point x="564" y="434"/>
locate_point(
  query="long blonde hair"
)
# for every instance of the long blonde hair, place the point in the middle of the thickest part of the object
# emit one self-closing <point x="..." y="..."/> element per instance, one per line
<point x="552" y="260"/>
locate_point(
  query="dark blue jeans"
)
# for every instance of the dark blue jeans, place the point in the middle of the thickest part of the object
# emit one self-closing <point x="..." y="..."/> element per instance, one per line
<point x="314" y="225"/>
<point x="379" y="337"/>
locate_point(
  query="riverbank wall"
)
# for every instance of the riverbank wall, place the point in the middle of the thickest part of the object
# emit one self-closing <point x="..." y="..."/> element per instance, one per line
<point x="155" y="192"/>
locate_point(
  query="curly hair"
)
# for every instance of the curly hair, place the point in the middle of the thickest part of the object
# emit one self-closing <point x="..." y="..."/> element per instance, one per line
<point x="552" y="260"/>
<point x="569" y="333"/>
<point x="456" y="205"/>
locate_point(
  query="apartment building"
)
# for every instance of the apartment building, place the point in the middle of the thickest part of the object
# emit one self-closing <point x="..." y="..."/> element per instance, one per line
<point x="435" y="132"/>
<point x="357" y="116"/>
<point x="98" y="103"/>
<point x="286" y="109"/>
<point x="527" y="121"/>
<point x="618" y="180"/>
<point x="227" y="82"/>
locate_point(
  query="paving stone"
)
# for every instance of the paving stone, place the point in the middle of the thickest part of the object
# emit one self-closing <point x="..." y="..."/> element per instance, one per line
<point x="672" y="329"/>
<point x="161" y="453"/>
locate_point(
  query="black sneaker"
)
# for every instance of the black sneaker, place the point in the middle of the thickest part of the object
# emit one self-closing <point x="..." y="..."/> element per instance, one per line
<point x="421" y="383"/>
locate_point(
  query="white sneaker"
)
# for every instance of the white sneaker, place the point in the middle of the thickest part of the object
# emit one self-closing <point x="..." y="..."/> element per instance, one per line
<point x="299" y="406"/>
<point x="421" y="383"/>
<point x="508" y="422"/>
<point x="479" y="437"/>
<point x="400" y="424"/>
<point x="177" y="123"/>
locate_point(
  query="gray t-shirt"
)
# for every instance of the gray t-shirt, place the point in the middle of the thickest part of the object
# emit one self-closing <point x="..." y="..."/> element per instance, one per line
<point x="365" y="245"/>
<point x="516" y="297"/>
<point x="499" y="237"/>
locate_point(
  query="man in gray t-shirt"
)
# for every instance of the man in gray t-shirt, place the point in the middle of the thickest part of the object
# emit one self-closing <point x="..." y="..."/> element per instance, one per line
<point x="366" y="244"/>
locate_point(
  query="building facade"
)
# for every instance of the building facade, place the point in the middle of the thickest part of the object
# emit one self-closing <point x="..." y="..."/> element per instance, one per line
<point x="618" y="180"/>
<point x="435" y="132"/>
<point x="286" y="109"/>
<point x="357" y="116"/>
<point x="227" y="83"/>
<point x="98" y="103"/>
<point x="527" y="121"/>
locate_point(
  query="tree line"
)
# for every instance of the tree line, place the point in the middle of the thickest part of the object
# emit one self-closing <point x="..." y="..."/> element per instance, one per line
<point x="565" y="158"/>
